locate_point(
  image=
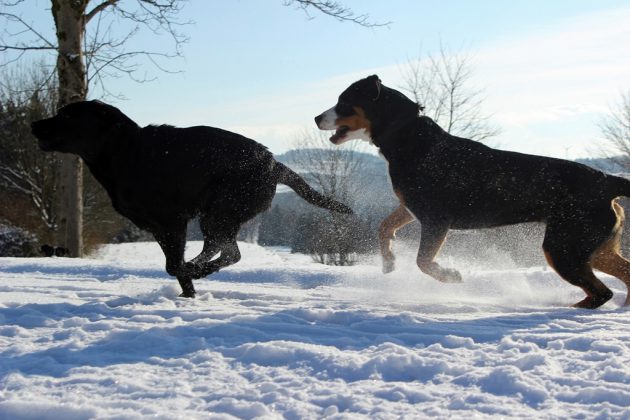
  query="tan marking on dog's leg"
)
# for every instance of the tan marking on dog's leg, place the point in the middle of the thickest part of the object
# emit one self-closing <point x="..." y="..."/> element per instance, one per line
<point x="387" y="232"/>
<point x="549" y="260"/>
<point x="615" y="265"/>
<point x="608" y="257"/>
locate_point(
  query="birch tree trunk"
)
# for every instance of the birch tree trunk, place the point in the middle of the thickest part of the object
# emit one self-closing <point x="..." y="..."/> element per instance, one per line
<point x="70" y="26"/>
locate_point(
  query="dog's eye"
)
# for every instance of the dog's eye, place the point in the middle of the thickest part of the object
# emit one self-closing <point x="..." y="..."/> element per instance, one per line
<point x="344" y="109"/>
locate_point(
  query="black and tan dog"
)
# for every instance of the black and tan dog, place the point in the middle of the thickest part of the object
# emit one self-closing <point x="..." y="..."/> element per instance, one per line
<point x="161" y="176"/>
<point x="448" y="182"/>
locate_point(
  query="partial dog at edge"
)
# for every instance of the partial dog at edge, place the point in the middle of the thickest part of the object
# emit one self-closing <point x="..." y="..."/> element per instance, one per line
<point x="448" y="182"/>
<point x="160" y="177"/>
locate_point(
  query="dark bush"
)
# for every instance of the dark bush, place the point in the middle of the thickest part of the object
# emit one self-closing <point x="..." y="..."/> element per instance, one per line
<point x="16" y="242"/>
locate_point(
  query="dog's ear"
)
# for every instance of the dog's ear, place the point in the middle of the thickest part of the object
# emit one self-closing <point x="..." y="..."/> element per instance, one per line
<point x="376" y="84"/>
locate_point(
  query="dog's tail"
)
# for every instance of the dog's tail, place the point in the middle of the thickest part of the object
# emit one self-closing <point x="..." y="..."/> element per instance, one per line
<point x="287" y="177"/>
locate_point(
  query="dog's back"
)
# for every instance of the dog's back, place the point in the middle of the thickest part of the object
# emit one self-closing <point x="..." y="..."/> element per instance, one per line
<point x="476" y="186"/>
<point x="167" y="172"/>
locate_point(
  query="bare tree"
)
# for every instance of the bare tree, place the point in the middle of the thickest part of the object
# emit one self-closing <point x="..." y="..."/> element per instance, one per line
<point x="616" y="131"/>
<point x="25" y="96"/>
<point x="85" y="54"/>
<point x="441" y="84"/>
<point x="330" y="169"/>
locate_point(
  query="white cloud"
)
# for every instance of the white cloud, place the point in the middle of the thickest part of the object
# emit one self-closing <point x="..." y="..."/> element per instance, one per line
<point x="577" y="67"/>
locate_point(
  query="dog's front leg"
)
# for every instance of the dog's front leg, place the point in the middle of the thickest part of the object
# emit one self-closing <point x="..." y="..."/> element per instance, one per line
<point x="433" y="236"/>
<point x="387" y="232"/>
<point x="173" y="244"/>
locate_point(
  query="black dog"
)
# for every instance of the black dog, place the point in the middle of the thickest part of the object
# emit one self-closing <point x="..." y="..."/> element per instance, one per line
<point x="161" y="176"/>
<point x="449" y="182"/>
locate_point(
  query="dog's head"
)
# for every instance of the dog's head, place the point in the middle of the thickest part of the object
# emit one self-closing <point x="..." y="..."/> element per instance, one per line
<point x="364" y="110"/>
<point x="80" y="128"/>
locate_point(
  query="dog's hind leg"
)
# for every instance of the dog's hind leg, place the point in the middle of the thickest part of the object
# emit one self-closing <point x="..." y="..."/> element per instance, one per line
<point x="581" y="275"/>
<point x="173" y="244"/>
<point x="211" y="243"/>
<point x="387" y="232"/>
<point x="431" y="240"/>
<point x="219" y="236"/>
<point x="608" y="257"/>
<point x="569" y="247"/>
<point x="221" y="222"/>
<point x="230" y="254"/>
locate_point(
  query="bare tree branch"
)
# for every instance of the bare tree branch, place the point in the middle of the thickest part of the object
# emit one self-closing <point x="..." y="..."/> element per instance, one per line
<point x="39" y="43"/>
<point x="615" y="129"/>
<point x="441" y="84"/>
<point x="11" y="17"/>
<point x="105" y="46"/>
<point x="98" y="9"/>
<point x="159" y="16"/>
<point x="332" y="170"/>
<point x="24" y="48"/>
<point x="326" y="166"/>
<point x="336" y="10"/>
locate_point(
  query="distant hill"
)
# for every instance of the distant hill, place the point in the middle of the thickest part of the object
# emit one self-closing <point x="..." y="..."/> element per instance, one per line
<point x="610" y="165"/>
<point x="375" y="190"/>
<point x="371" y="182"/>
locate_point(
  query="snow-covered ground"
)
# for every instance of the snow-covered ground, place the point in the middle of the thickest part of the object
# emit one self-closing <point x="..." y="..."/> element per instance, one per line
<point x="278" y="336"/>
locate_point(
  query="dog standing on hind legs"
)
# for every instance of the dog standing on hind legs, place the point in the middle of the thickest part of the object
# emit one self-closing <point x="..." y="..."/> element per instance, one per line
<point x="449" y="182"/>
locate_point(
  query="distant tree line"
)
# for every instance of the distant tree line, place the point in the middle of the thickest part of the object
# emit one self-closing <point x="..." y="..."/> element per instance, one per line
<point x="328" y="239"/>
<point x="29" y="215"/>
<point x="29" y="177"/>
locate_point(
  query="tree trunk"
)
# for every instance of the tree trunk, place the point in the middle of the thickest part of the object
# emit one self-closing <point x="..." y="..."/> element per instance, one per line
<point x="70" y="25"/>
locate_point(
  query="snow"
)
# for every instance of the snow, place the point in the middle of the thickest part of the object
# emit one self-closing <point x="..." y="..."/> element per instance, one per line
<point x="278" y="336"/>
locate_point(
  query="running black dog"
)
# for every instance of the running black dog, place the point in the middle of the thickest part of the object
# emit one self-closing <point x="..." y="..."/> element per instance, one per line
<point x="161" y="176"/>
<point x="448" y="182"/>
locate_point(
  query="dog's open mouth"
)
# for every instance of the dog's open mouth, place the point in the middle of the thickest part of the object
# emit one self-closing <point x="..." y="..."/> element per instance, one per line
<point x="340" y="134"/>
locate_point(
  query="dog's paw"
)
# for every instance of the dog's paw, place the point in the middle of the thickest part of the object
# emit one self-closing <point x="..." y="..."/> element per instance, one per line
<point x="449" y="275"/>
<point x="593" y="302"/>
<point x="388" y="266"/>
<point x="190" y="270"/>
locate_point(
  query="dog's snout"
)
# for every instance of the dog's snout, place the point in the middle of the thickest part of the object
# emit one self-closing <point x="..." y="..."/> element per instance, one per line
<point x="319" y="119"/>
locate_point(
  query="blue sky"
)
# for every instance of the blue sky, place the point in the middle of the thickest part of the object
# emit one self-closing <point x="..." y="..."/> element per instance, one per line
<point x="550" y="70"/>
